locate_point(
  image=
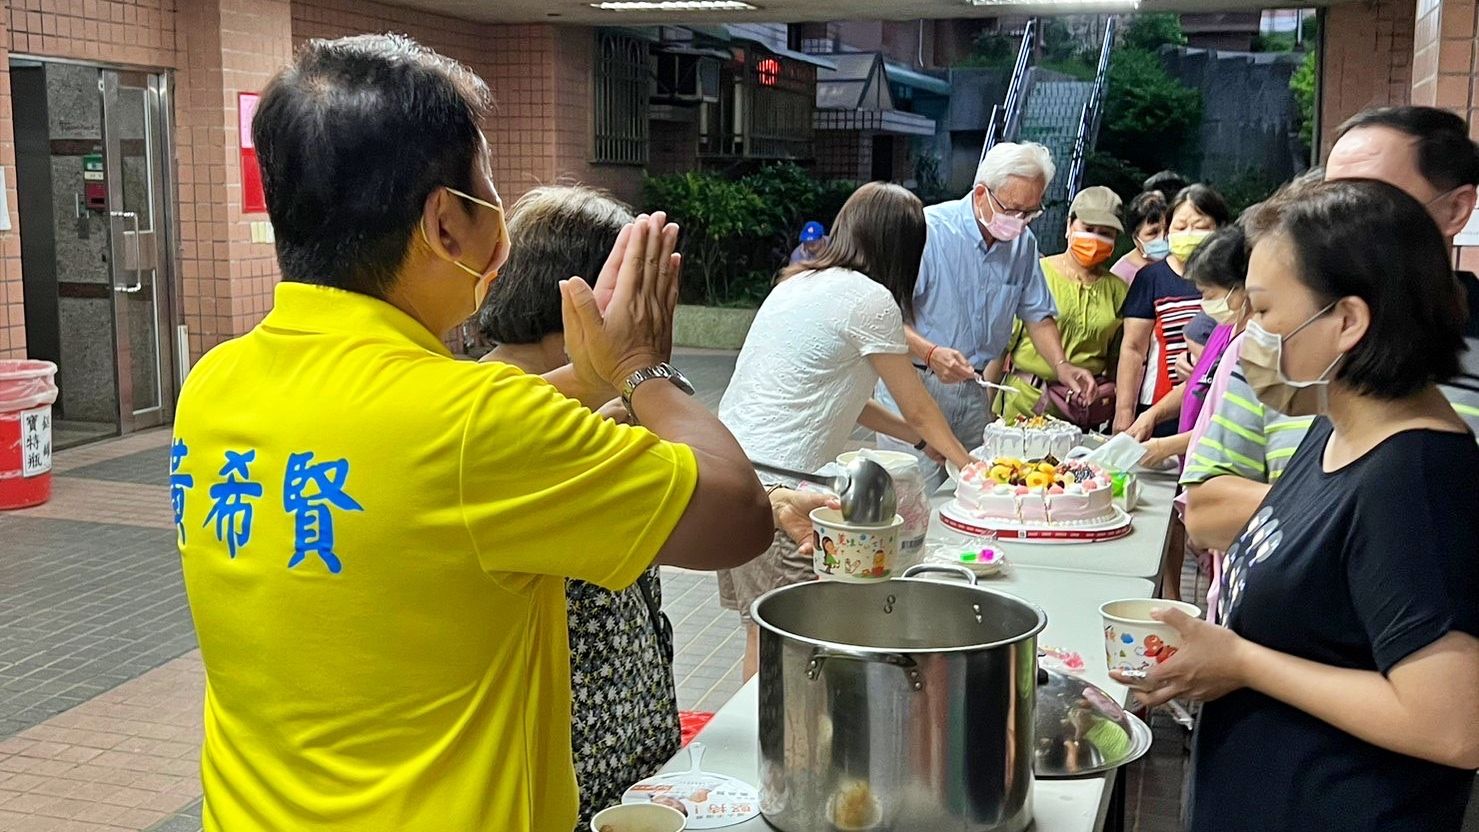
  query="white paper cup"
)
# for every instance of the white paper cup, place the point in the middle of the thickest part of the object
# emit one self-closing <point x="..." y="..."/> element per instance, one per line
<point x="849" y="552"/>
<point x="1135" y="641"/>
<point x="639" y="817"/>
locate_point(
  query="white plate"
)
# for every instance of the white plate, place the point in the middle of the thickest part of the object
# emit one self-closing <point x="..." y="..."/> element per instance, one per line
<point x="1008" y="532"/>
<point x="709" y="800"/>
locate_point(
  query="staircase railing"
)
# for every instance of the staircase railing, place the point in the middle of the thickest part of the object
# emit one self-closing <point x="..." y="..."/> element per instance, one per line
<point x="1092" y="116"/>
<point x="1006" y="117"/>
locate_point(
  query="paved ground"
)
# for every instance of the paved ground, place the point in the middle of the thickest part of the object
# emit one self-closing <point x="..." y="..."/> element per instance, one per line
<point x="100" y="682"/>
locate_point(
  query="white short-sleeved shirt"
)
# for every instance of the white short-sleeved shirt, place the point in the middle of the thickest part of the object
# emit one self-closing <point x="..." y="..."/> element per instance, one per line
<point x="803" y="374"/>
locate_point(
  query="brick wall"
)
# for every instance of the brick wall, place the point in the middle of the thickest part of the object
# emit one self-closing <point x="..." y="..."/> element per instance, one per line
<point x="12" y="310"/>
<point x="139" y="32"/>
<point x="1445" y="71"/>
<point x="1367" y="60"/>
<point x="844" y="154"/>
<point x="517" y="61"/>
<point x="1443" y="60"/>
<point x="232" y="46"/>
<point x="574" y="51"/>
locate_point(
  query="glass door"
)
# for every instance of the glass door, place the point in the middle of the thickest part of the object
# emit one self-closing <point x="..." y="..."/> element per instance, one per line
<point x="135" y="151"/>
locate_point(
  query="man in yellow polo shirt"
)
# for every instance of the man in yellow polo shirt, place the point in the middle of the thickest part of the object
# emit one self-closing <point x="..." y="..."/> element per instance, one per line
<point x="375" y="536"/>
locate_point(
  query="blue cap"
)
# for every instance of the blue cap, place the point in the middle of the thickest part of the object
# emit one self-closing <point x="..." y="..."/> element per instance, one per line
<point x="813" y="231"/>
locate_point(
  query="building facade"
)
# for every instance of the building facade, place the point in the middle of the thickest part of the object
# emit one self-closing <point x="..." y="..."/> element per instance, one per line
<point x="132" y="241"/>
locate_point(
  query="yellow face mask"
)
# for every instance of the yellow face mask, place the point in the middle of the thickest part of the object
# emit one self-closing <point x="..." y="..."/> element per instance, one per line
<point x="486" y="277"/>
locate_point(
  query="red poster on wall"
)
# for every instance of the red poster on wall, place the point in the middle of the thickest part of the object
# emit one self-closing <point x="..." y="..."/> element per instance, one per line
<point x="253" y="199"/>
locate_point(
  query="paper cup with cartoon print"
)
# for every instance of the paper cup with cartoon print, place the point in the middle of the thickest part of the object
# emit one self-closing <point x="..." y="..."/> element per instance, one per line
<point x="1133" y="640"/>
<point x="849" y="552"/>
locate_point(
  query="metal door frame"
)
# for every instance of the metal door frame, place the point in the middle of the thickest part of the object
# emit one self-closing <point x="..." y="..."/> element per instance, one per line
<point x="125" y="241"/>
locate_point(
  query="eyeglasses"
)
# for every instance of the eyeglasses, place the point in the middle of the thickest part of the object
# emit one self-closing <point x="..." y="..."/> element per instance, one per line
<point x="1026" y="215"/>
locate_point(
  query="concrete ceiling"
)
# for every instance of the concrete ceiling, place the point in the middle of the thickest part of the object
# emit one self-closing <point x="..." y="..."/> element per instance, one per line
<point x="793" y="11"/>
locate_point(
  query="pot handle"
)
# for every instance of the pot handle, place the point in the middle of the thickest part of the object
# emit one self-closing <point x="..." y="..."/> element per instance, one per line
<point x="822" y="655"/>
<point x="942" y="568"/>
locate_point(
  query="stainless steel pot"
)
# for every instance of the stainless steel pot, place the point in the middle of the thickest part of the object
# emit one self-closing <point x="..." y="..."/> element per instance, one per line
<point x="905" y="705"/>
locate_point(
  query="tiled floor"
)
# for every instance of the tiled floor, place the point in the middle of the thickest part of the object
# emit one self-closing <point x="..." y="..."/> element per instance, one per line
<point x="100" y="684"/>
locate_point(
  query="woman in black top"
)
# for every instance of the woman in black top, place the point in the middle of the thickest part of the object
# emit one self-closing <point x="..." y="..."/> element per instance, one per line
<point x="1344" y="691"/>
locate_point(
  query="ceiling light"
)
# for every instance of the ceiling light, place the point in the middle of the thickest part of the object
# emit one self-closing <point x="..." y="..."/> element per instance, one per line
<point x="1125" y="5"/>
<point x="676" y="6"/>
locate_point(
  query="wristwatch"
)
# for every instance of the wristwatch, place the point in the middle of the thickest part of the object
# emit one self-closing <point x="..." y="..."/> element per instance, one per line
<point x="663" y="370"/>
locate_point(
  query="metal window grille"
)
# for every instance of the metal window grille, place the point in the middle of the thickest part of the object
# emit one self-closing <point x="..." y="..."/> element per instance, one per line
<point x="621" y="88"/>
<point x="764" y="110"/>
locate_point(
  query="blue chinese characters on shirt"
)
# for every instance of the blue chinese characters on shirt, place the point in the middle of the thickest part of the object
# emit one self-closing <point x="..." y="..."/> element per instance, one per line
<point x="312" y="492"/>
<point x="309" y="491"/>
<point x="179" y="483"/>
<point x="230" y="508"/>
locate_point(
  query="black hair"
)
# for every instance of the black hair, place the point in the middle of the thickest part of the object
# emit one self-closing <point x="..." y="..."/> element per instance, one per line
<point x="1205" y="199"/>
<point x="556" y="232"/>
<point x="1146" y="208"/>
<point x="1368" y="239"/>
<point x="352" y="138"/>
<point x="1168" y="183"/>
<point x="1221" y="261"/>
<point x="1446" y="156"/>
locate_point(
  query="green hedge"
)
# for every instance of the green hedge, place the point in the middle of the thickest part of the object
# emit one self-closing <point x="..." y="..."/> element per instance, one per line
<point x="737" y="233"/>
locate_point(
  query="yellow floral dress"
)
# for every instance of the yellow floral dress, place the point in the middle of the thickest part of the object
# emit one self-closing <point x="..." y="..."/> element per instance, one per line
<point x="1089" y="322"/>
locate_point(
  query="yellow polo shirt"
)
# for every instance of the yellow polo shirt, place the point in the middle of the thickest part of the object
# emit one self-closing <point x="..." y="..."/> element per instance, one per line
<point x="375" y="538"/>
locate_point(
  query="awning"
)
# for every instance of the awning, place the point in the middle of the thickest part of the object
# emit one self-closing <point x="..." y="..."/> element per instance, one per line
<point x="724" y="34"/>
<point x="918" y="80"/>
<point x="687" y="49"/>
<point x="896" y="122"/>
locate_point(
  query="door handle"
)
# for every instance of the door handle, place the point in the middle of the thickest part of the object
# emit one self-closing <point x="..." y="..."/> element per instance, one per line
<point x="138" y="273"/>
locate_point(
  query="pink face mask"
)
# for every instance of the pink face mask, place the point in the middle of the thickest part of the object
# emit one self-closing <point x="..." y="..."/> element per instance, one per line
<point x="1001" y="226"/>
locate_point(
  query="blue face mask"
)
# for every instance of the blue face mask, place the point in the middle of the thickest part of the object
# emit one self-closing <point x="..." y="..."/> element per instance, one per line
<point x="1156" y="249"/>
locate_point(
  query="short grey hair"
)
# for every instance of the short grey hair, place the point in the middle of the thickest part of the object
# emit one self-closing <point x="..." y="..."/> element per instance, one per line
<point x="1028" y="160"/>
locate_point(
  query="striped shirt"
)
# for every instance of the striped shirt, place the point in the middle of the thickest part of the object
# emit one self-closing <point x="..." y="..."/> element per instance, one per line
<point x="1245" y="439"/>
<point x="1170" y="302"/>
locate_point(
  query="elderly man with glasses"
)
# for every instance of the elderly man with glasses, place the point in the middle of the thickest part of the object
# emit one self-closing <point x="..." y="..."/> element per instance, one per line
<point x="980" y="271"/>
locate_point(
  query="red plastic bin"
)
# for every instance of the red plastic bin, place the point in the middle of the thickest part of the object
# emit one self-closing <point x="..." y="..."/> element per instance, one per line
<point x="27" y="392"/>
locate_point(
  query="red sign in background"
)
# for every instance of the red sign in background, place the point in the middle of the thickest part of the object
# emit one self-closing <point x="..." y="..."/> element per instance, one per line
<point x="253" y="199"/>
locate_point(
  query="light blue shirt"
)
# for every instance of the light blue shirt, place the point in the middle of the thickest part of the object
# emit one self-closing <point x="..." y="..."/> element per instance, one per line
<point x="969" y="293"/>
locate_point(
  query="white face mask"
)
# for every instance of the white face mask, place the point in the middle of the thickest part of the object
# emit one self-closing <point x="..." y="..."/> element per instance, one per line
<point x="1262" y="360"/>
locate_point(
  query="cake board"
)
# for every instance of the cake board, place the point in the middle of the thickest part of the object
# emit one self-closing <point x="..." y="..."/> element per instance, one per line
<point x="1112" y="528"/>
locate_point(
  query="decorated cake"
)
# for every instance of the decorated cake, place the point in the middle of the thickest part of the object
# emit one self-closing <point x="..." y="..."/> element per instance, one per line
<point x="1041" y="492"/>
<point x="1030" y="437"/>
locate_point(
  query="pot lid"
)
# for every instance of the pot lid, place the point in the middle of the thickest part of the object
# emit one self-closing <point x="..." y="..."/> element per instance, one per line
<point x="1081" y="730"/>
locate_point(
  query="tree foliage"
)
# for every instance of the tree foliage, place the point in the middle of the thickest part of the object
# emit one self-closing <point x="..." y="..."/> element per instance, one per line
<point x="738" y="232"/>
<point x="1149" y="32"/>
<point x="1302" y="84"/>
<point x="1150" y="117"/>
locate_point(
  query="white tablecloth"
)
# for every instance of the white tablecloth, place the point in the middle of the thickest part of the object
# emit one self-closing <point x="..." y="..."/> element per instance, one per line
<point x="1071" y="600"/>
<point x="1136" y="555"/>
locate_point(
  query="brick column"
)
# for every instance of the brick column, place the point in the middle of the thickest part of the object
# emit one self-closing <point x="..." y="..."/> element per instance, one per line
<point x="1443" y="68"/>
<point x="1445" y="71"/>
<point x="1366" y="61"/>
<point x="12" y="311"/>
<point x="229" y="46"/>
